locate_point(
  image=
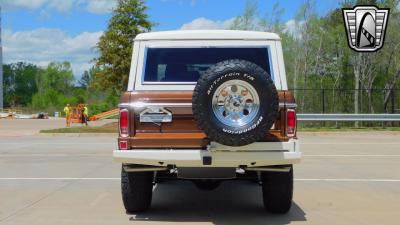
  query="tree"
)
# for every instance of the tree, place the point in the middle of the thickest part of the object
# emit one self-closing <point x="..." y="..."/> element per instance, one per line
<point x="19" y="83"/>
<point x="57" y="76"/>
<point x="272" y="22"/>
<point x="248" y="20"/>
<point x="85" y="80"/>
<point x="115" y="45"/>
<point x="89" y="83"/>
<point x="390" y="66"/>
<point x="309" y="41"/>
<point x="55" y="86"/>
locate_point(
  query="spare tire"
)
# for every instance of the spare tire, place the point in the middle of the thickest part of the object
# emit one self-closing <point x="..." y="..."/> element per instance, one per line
<point x="235" y="102"/>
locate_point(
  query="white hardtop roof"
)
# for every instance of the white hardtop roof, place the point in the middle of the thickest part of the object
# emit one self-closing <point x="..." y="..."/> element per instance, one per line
<point x="207" y="35"/>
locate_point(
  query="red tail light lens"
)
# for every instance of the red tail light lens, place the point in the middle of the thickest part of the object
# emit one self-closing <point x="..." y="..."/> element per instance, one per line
<point x="291" y="123"/>
<point x="123" y="144"/>
<point x="123" y="123"/>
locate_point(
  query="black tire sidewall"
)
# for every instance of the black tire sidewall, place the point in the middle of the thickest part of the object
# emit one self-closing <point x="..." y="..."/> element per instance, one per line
<point x="235" y="70"/>
<point x="136" y="189"/>
<point x="277" y="189"/>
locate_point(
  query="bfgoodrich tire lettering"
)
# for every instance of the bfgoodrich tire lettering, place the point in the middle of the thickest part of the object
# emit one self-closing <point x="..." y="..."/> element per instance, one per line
<point x="252" y="81"/>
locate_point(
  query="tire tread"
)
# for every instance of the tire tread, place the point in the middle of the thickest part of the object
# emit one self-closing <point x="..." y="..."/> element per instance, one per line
<point x="277" y="190"/>
<point x="136" y="190"/>
<point x="200" y="114"/>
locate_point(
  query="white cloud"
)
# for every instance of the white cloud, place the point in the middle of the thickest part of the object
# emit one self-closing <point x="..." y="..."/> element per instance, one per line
<point x="92" y="6"/>
<point x="291" y="26"/>
<point x="294" y="27"/>
<point x="202" y="23"/>
<point x="41" y="46"/>
<point x="17" y="4"/>
<point x="61" y="5"/>
<point x="101" y="6"/>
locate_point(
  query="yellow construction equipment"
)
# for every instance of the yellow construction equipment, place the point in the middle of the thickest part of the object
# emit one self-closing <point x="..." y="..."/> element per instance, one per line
<point x="77" y="114"/>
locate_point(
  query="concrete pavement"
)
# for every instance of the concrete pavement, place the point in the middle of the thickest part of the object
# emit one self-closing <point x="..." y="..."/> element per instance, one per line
<point x="26" y="127"/>
<point x="345" y="178"/>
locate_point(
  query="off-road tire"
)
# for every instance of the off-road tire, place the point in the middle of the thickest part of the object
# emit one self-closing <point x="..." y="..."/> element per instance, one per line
<point x="137" y="190"/>
<point x="216" y="75"/>
<point x="277" y="188"/>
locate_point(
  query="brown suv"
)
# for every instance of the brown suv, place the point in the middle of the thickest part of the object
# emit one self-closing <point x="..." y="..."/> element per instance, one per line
<point x="207" y="106"/>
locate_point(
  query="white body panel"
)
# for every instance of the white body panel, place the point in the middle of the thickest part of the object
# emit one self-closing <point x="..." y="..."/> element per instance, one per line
<point x="253" y="155"/>
<point x="207" y="35"/>
<point x="202" y="39"/>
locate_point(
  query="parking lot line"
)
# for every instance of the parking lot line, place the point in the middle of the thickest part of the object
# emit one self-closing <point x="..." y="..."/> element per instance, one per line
<point x="347" y="180"/>
<point x="5" y="155"/>
<point x="117" y="179"/>
<point x="59" y="178"/>
<point x="350" y="143"/>
<point x="61" y="144"/>
<point x="350" y="155"/>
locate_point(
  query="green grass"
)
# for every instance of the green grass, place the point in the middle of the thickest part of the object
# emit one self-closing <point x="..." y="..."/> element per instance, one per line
<point x="104" y="129"/>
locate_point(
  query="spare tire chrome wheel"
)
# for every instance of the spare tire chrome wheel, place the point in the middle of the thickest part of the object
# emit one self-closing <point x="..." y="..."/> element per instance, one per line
<point x="235" y="103"/>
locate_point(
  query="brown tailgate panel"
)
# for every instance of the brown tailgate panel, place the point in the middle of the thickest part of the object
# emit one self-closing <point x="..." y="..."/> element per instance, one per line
<point x="183" y="132"/>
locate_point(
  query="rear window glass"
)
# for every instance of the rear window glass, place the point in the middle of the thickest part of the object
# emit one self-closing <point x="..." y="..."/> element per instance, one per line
<point x="187" y="64"/>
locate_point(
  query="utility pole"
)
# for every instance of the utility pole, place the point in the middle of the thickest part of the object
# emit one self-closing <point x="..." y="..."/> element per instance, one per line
<point x="1" y="68"/>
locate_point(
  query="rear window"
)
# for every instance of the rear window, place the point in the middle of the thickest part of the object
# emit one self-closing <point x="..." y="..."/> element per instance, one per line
<point x="187" y="64"/>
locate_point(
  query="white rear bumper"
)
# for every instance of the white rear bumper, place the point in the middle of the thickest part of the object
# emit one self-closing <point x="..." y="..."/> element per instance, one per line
<point x="256" y="154"/>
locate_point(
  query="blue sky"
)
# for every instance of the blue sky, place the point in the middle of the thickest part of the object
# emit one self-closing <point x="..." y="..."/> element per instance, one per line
<point x="40" y="31"/>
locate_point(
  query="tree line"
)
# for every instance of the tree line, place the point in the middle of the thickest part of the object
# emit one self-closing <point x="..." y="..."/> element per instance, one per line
<point x="323" y="72"/>
<point x="49" y="89"/>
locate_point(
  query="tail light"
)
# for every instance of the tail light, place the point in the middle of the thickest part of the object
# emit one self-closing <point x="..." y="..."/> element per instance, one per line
<point x="123" y="123"/>
<point x="123" y="144"/>
<point x="291" y="122"/>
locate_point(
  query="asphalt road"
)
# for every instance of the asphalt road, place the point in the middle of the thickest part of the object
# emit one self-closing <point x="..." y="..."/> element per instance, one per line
<point x="345" y="178"/>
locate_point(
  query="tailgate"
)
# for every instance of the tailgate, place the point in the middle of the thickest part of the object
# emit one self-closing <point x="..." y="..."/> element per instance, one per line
<point x="182" y="131"/>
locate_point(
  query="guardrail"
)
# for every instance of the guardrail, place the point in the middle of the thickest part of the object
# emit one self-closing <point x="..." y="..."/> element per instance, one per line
<point x="348" y="117"/>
